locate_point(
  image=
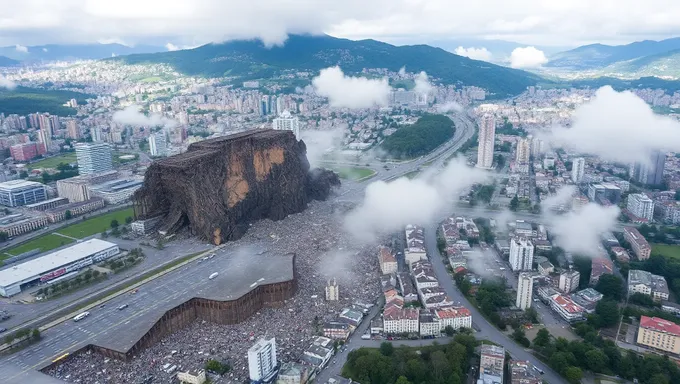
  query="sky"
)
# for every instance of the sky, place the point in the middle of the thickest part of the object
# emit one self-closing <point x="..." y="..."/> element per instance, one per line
<point x="187" y="23"/>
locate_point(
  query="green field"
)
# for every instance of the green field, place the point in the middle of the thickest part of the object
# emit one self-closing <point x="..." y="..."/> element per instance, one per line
<point x="45" y="243"/>
<point x="152" y="79"/>
<point x="672" y="251"/>
<point x="52" y="162"/>
<point x="96" y="224"/>
<point x="354" y="173"/>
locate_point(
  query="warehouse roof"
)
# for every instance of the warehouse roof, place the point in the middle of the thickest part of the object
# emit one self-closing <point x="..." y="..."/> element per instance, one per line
<point x="40" y="265"/>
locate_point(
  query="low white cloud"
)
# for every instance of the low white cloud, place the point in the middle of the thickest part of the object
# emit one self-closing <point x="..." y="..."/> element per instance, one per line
<point x="451" y="106"/>
<point x="617" y="126"/>
<point x="171" y="47"/>
<point x="402" y="71"/>
<point x="44" y="49"/>
<point x="351" y="92"/>
<point x="131" y="116"/>
<point x="423" y="85"/>
<point x="7" y="83"/>
<point x="579" y="232"/>
<point x="388" y="207"/>
<point x="474" y="53"/>
<point x="527" y="57"/>
<point x="320" y="143"/>
<point x="563" y="196"/>
<point x="21" y="48"/>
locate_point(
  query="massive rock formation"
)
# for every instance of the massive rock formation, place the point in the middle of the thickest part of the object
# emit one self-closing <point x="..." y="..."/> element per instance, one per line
<point x="221" y="185"/>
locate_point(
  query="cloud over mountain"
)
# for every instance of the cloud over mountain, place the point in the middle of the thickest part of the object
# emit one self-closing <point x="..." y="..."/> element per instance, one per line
<point x="527" y="57"/>
<point x="351" y="92"/>
<point x="474" y="53"/>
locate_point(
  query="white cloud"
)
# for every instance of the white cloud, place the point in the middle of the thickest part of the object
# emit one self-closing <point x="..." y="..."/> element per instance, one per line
<point x="131" y="116"/>
<point x="7" y="83"/>
<point x="579" y="232"/>
<point x="402" y="71"/>
<point x="320" y="143"/>
<point x="44" y="49"/>
<point x="388" y="207"/>
<point x="423" y="85"/>
<point x="563" y="196"/>
<point x="171" y="47"/>
<point x="451" y="106"/>
<point x="351" y="92"/>
<point x="474" y="53"/>
<point x="527" y="57"/>
<point x="21" y="48"/>
<point x="617" y="126"/>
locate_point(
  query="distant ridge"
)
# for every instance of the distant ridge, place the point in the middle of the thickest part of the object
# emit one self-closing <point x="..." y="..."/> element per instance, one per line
<point x="55" y="52"/>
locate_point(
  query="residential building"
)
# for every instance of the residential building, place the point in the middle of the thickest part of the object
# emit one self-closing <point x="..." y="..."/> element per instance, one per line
<point x="96" y="134"/>
<point x="336" y="330"/>
<point x="262" y="361"/>
<point x="525" y="289"/>
<point x="429" y="324"/>
<point x="287" y="122"/>
<point x="16" y="193"/>
<point x="522" y="372"/>
<point x="487" y="137"/>
<point x="621" y="254"/>
<point x="600" y="266"/>
<point x="93" y="158"/>
<point x="424" y="275"/>
<point x="566" y="308"/>
<point x="587" y="299"/>
<point x="641" y="206"/>
<point x="638" y="242"/>
<point x="578" y="170"/>
<point x="415" y="244"/>
<point x="648" y="284"/>
<point x="192" y="377"/>
<point x="569" y="281"/>
<point x="455" y="317"/>
<point x="523" y="150"/>
<point x="317" y="355"/>
<point x="651" y="173"/>
<point x="332" y="291"/>
<point x="72" y="129"/>
<point x="388" y="263"/>
<point x="521" y="254"/>
<point x="668" y="211"/>
<point x="25" y="152"/>
<point x="491" y="364"/>
<point x="158" y="144"/>
<point x="398" y="320"/>
<point x="351" y="317"/>
<point x="659" y="334"/>
<point x="545" y="268"/>
<point x="293" y="373"/>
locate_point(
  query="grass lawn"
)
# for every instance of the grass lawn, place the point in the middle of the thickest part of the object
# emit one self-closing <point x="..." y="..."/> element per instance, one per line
<point x="354" y="173"/>
<point x="45" y="243"/>
<point x="96" y="224"/>
<point x="672" y="251"/>
<point x="152" y="79"/>
<point x="52" y="162"/>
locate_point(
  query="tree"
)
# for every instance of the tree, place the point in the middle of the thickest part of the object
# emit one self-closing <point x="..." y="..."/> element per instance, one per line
<point x="531" y="315"/>
<point x="514" y="204"/>
<point x="611" y="286"/>
<point x="597" y="360"/>
<point x="104" y="235"/>
<point x="402" y="380"/>
<point x="677" y="195"/>
<point x="386" y="349"/>
<point x="573" y="374"/>
<point x="114" y="223"/>
<point x="35" y="334"/>
<point x="542" y="338"/>
<point x="160" y="243"/>
<point x="217" y="367"/>
<point x="128" y="220"/>
<point x="67" y="215"/>
<point x="608" y="313"/>
<point x="521" y="337"/>
<point x="3" y="236"/>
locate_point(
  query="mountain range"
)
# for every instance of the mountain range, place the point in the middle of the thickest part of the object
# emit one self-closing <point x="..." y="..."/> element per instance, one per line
<point x="7" y="62"/>
<point x="250" y="59"/>
<point x="53" y="52"/>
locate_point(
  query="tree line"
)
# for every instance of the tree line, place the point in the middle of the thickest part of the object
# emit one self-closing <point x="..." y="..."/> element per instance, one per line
<point x="420" y="138"/>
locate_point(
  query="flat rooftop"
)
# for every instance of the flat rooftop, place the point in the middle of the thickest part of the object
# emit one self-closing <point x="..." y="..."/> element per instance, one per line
<point x="40" y="265"/>
<point x="19" y="184"/>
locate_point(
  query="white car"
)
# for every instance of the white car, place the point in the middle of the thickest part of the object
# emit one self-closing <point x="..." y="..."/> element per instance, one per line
<point x="214" y="275"/>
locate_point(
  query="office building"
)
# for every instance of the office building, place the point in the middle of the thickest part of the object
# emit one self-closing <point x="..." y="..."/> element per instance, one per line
<point x="332" y="290"/>
<point x="264" y="105"/>
<point x="566" y="308"/>
<point x="641" y="206"/>
<point x="20" y="223"/>
<point x="523" y="150"/>
<point x="491" y="364"/>
<point x="72" y="129"/>
<point x="15" y="193"/>
<point x="659" y="334"/>
<point x="93" y="158"/>
<point x="525" y="289"/>
<point x="638" y="242"/>
<point x="569" y="281"/>
<point x="521" y="254"/>
<point x="605" y="193"/>
<point x="117" y="191"/>
<point x="287" y="122"/>
<point x="487" y="137"/>
<point x="578" y="169"/>
<point x="262" y="361"/>
<point x="157" y="144"/>
<point x="652" y="173"/>
<point x="648" y="284"/>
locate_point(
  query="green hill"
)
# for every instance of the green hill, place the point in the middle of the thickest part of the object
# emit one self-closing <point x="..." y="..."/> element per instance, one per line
<point x="250" y="59"/>
<point x="24" y="100"/>
<point x="421" y="138"/>
<point x="7" y="62"/>
<point x="596" y="56"/>
<point x="665" y="64"/>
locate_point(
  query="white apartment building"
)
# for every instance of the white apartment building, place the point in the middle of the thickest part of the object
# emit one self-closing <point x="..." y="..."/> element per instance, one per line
<point x="525" y="289"/>
<point x="569" y="281"/>
<point x="523" y="150"/>
<point x="262" y="359"/>
<point x="93" y="158"/>
<point x="398" y="320"/>
<point x="641" y="206"/>
<point x="456" y="317"/>
<point x="332" y="290"/>
<point x="521" y="254"/>
<point x="387" y="261"/>
<point x="487" y="137"/>
<point x="429" y="324"/>
<point x="578" y="168"/>
<point x="158" y="144"/>
<point x="287" y="122"/>
<point x="566" y="308"/>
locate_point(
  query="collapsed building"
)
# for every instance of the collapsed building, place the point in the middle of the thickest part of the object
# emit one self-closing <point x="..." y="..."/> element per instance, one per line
<point x="219" y="186"/>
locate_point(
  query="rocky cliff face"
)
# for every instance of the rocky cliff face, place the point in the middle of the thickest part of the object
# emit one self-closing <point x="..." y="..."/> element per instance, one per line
<point x="221" y="185"/>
